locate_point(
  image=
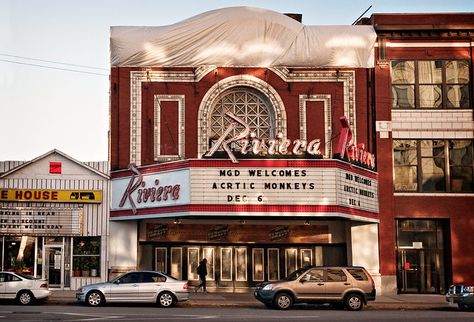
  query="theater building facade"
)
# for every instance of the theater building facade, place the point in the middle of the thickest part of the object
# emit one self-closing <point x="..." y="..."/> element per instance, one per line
<point x="263" y="149"/>
<point x="54" y="219"/>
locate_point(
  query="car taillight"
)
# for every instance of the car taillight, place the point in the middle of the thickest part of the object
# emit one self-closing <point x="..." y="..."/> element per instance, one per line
<point x="185" y="286"/>
<point x="371" y="280"/>
<point x="44" y="285"/>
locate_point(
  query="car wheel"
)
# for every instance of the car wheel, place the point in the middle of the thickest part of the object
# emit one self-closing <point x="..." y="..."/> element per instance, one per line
<point x="283" y="301"/>
<point x="25" y="297"/>
<point x="166" y="299"/>
<point x="354" y="302"/>
<point x="94" y="298"/>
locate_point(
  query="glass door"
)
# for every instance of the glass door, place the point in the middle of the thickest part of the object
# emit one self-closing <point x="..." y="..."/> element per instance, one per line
<point x="410" y="270"/>
<point x="419" y="271"/>
<point x="421" y="255"/>
<point x="53" y="266"/>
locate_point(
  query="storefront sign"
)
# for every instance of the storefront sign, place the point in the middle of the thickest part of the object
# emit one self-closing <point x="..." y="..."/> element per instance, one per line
<point x="150" y="190"/>
<point x="243" y="233"/>
<point x="250" y="144"/>
<point x="279" y="233"/>
<point x="219" y="232"/>
<point x="40" y="221"/>
<point x="283" y="186"/>
<point x="346" y="149"/>
<point x="156" y="231"/>
<point x="69" y="196"/>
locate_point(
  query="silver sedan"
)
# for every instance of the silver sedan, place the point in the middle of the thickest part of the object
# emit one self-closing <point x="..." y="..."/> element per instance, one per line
<point x="134" y="287"/>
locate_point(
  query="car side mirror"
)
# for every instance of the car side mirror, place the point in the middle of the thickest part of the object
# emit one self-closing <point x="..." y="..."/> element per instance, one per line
<point x="116" y="282"/>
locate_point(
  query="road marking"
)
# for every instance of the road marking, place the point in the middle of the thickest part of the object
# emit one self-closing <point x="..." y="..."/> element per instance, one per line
<point x="92" y="317"/>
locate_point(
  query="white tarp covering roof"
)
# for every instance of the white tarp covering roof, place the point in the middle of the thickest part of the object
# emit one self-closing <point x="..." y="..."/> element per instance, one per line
<point x="242" y="36"/>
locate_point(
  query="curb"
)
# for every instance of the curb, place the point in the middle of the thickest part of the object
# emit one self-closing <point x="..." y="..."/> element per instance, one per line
<point x="370" y="306"/>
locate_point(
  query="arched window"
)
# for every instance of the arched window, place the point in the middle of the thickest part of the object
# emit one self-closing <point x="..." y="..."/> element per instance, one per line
<point x="247" y="103"/>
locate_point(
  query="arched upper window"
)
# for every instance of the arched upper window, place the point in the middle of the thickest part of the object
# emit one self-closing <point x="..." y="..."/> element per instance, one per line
<point x="247" y="103"/>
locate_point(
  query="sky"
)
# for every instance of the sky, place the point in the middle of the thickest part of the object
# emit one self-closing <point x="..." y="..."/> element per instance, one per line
<point x="54" y="61"/>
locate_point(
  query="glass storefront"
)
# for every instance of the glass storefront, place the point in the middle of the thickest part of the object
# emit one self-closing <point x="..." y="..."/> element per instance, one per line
<point x="231" y="267"/>
<point x="421" y="255"/>
<point x="18" y="254"/>
<point x="50" y="257"/>
<point x="86" y="257"/>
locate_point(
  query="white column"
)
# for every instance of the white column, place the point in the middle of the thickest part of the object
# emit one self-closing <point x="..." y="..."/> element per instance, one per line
<point x="123" y="247"/>
<point x="365" y="249"/>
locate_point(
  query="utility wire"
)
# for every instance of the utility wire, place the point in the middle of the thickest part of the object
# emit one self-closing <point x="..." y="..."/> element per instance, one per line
<point x="53" y="62"/>
<point x="380" y="99"/>
<point x="51" y="67"/>
<point x="361" y="15"/>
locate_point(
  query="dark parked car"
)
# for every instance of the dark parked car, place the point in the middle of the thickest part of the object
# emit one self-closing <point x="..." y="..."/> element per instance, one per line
<point x="349" y="286"/>
<point x="133" y="287"/>
<point x="461" y="295"/>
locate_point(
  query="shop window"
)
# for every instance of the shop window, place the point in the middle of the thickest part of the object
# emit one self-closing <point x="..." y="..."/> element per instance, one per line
<point x="424" y="233"/>
<point x="241" y="264"/>
<point x="193" y="262"/>
<point x="208" y="254"/>
<point x="86" y="256"/>
<point x="19" y="254"/>
<point x="273" y="264"/>
<point x="226" y="264"/>
<point x="160" y="259"/>
<point x="430" y="84"/>
<point x="258" y="264"/>
<point x="433" y="165"/>
<point x="290" y="260"/>
<point x="306" y="257"/>
<point x="176" y="257"/>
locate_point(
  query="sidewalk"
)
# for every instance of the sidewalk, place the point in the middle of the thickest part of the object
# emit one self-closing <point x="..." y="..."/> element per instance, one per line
<point x="383" y="302"/>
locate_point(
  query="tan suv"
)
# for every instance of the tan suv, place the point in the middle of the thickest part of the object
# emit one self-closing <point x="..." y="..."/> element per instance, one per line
<point x="349" y="286"/>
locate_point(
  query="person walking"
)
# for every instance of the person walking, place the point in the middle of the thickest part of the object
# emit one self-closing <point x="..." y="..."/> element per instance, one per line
<point x="202" y="272"/>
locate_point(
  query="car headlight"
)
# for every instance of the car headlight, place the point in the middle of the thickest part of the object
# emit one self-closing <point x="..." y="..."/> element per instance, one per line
<point x="268" y="287"/>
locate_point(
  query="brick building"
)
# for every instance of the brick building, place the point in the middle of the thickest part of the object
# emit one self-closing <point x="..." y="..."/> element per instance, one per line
<point x="227" y="143"/>
<point x="423" y="105"/>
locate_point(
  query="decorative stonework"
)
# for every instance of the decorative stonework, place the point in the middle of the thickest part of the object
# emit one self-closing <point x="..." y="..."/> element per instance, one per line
<point x="346" y="77"/>
<point x="432" y="124"/>
<point x="326" y="99"/>
<point x="157" y="127"/>
<point x="136" y="80"/>
<point x="384" y="128"/>
<point x="237" y="81"/>
<point x="137" y="77"/>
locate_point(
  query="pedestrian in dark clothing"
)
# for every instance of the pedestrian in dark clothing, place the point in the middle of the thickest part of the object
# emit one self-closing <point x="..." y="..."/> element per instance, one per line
<point x="202" y="272"/>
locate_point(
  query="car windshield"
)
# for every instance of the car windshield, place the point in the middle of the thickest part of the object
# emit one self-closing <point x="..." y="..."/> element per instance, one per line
<point x="293" y="276"/>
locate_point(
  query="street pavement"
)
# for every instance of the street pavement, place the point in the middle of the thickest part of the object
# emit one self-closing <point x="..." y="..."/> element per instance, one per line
<point x="220" y="299"/>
